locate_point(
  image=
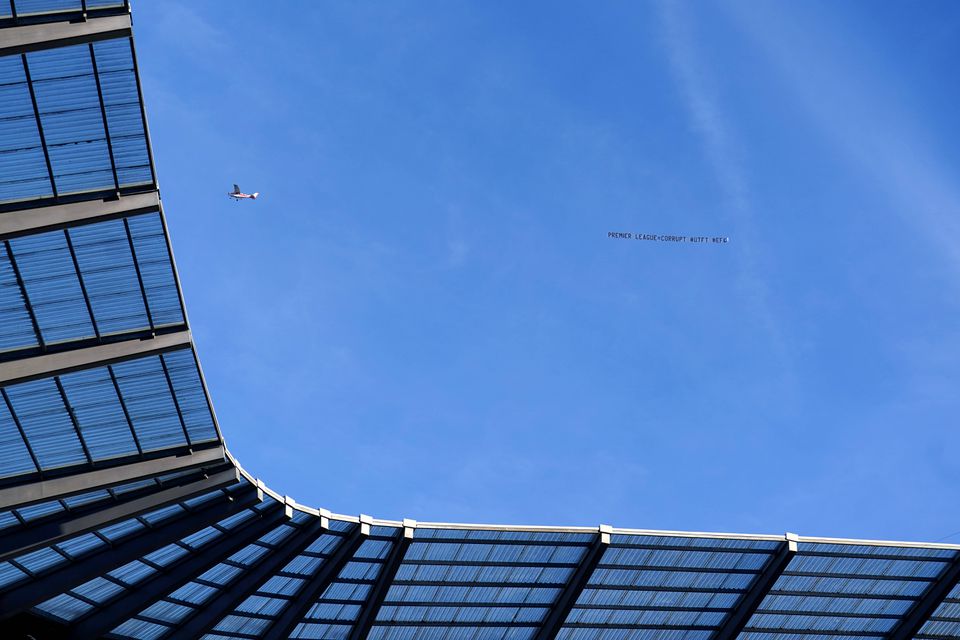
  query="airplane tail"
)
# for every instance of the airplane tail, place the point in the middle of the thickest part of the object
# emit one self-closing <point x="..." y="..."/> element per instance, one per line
<point x="255" y="194"/>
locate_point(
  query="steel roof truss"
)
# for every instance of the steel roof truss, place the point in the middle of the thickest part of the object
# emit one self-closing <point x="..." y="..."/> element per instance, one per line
<point x="315" y="586"/>
<point x="62" y="487"/>
<point x="33" y="219"/>
<point x="120" y="553"/>
<point x="39" y="121"/>
<point x="143" y="288"/>
<point x="23" y="293"/>
<point x="53" y="364"/>
<point x="761" y="586"/>
<point x="176" y="575"/>
<point x="51" y="530"/>
<point x="103" y="116"/>
<point x="368" y="613"/>
<point x="935" y="594"/>
<point x="240" y="589"/>
<point x="575" y="586"/>
<point x="34" y="37"/>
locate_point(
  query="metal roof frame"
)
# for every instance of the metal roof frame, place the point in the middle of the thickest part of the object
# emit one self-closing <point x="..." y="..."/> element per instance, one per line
<point x="122" y="552"/>
<point x="177" y="574"/>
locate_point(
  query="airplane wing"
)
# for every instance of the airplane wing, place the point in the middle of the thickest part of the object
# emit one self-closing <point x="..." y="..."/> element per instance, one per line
<point x="236" y="188"/>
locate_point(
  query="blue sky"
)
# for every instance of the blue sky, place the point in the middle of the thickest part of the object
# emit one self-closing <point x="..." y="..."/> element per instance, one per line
<point x="423" y="317"/>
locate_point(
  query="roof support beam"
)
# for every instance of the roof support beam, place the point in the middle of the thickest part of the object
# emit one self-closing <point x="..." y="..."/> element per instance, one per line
<point x="55" y="488"/>
<point x="311" y="591"/>
<point x="148" y="592"/>
<point x="918" y="615"/>
<point x="24" y="294"/>
<point x="61" y="216"/>
<point x="103" y="117"/>
<point x="97" y="515"/>
<point x="750" y="602"/>
<point x="236" y="592"/>
<point x="54" y="364"/>
<point x="578" y="581"/>
<point x="368" y="614"/>
<point x="39" y="121"/>
<point x="35" y="37"/>
<point x="143" y="293"/>
<point x="37" y="590"/>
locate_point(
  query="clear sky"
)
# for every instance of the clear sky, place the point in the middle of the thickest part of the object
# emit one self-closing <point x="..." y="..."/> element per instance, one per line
<point x="423" y="316"/>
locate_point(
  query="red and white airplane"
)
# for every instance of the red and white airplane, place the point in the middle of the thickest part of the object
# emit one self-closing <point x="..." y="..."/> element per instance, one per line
<point x="239" y="195"/>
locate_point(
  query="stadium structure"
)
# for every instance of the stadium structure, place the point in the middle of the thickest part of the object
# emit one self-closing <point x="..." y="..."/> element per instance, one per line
<point x="123" y="515"/>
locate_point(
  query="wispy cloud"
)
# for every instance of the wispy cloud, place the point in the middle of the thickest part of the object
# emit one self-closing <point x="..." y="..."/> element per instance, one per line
<point x="854" y="99"/>
<point x="196" y="37"/>
<point x="723" y="151"/>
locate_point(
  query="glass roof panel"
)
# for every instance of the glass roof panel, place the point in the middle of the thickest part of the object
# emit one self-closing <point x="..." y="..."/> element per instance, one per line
<point x="28" y="7"/>
<point x="23" y="170"/>
<point x="680" y="585"/>
<point x="121" y="99"/>
<point x="185" y="378"/>
<point x="109" y="275"/>
<point x="152" y="409"/>
<point x="140" y="629"/>
<point x="40" y="409"/>
<point x="16" y="328"/>
<point x="945" y="620"/>
<point x="102" y="422"/>
<point x="65" y="607"/>
<point x="88" y="269"/>
<point x="847" y="589"/>
<point x="69" y="107"/>
<point x="14" y="457"/>
<point x="492" y="535"/>
<point x="71" y="114"/>
<point x="156" y="269"/>
<point x="52" y="286"/>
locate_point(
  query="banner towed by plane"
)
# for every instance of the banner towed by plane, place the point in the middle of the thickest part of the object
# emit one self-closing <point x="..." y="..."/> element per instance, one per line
<point x="626" y="235"/>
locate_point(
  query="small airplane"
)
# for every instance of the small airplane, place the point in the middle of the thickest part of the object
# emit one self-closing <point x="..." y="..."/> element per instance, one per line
<point x="239" y="195"/>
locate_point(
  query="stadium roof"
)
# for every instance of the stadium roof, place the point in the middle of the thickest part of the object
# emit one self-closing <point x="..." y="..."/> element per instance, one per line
<point x="123" y="515"/>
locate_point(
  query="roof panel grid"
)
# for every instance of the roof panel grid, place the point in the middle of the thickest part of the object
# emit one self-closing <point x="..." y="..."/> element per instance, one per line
<point x="23" y="169"/>
<point x="90" y="281"/>
<point x="503" y="536"/>
<point x="516" y="580"/>
<point x="16" y="324"/>
<point x="945" y="620"/>
<point x="684" y="585"/>
<point x="100" y="592"/>
<point x="450" y="632"/>
<point x="152" y="407"/>
<point x="15" y="458"/>
<point x="712" y="542"/>
<point x="40" y="409"/>
<point x="52" y="287"/>
<point x="213" y="582"/>
<point x="87" y="131"/>
<point x="70" y="116"/>
<point x="36" y="7"/>
<point x="156" y="270"/>
<point x="108" y="270"/>
<point x="121" y="99"/>
<point x="40" y="513"/>
<point x="848" y="589"/>
<point x="324" y="631"/>
<point x="103" y="413"/>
